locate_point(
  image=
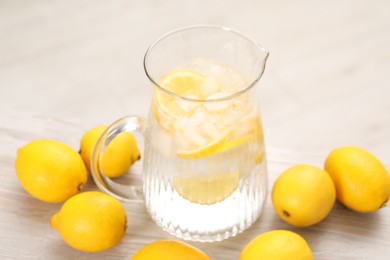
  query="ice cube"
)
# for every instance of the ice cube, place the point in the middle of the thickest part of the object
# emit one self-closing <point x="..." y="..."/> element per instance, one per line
<point x="195" y="138"/>
<point x="233" y="82"/>
<point x="228" y="118"/>
<point x="201" y="65"/>
<point x="217" y="71"/>
<point x="181" y="140"/>
<point x="250" y="114"/>
<point x="217" y="106"/>
<point x="162" y="141"/>
<point x="209" y="87"/>
<point x="197" y="118"/>
<point x="181" y="124"/>
<point x="241" y="102"/>
<point x="210" y="130"/>
<point x="186" y="106"/>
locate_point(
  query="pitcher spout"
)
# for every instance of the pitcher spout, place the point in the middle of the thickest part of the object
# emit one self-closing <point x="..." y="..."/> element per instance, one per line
<point x="263" y="57"/>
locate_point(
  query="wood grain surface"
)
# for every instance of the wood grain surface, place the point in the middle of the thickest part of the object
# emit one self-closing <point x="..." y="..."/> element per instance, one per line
<point x="27" y="234"/>
<point x="66" y="66"/>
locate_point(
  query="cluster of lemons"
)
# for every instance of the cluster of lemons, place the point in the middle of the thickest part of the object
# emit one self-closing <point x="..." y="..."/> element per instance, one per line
<point x="303" y="195"/>
<point x="53" y="172"/>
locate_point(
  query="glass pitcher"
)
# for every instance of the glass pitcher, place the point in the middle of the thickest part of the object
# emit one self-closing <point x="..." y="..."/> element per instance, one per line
<point x="203" y="173"/>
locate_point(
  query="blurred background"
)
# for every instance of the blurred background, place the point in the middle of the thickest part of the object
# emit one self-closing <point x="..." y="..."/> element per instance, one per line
<point x="327" y="81"/>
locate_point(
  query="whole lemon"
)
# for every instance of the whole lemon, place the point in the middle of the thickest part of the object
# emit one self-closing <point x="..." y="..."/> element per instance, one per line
<point x="362" y="182"/>
<point x="91" y="221"/>
<point x="117" y="158"/>
<point x="169" y="250"/>
<point x="49" y="170"/>
<point x="303" y="195"/>
<point x="277" y="245"/>
<point x="88" y="142"/>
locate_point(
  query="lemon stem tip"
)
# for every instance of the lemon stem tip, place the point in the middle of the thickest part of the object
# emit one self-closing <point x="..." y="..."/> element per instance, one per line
<point x="384" y="204"/>
<point x="80" y="187"/>
<point x="54" y="221"/>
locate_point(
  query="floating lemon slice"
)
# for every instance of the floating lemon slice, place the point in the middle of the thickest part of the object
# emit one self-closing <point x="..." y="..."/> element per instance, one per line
<point x="234" y="143"/>
<point x="184" y="83"/>
<point x="204" y="151"/>
<point x="207" y="190"/>
<point x="228" y="140"/>
<point x="218" y="146"/>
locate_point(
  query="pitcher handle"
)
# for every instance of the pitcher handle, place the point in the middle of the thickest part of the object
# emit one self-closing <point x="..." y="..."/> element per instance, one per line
<point x="128" y="187"/>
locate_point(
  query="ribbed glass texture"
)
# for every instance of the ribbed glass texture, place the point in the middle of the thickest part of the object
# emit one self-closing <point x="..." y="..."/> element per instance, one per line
<point x="202" y="208"/>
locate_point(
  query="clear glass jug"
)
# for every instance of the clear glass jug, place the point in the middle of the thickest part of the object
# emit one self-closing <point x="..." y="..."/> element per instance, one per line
<point x="203" y="172"/>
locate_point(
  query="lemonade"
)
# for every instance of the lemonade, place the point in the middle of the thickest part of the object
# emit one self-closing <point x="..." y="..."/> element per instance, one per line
<point x="205" y="178"/>
<point x="203" y="166"/>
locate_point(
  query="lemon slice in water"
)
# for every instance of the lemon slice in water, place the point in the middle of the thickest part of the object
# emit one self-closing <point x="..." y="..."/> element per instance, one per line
<point x="204" y="151"/>
<point x="184" y="83"/>
<point x="215" y="147"/>
<point x="207" y="190"/>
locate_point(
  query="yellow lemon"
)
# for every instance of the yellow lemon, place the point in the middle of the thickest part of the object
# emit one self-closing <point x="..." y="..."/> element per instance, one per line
<point x="207" y="190"/>
<point x="91" y="221"/>
<point x="88" y="142"/>
<point x="303" y="195"/>
<point x="120" y="154"/>
<point x="169" y="250"/>
<point x="117" y="158"/>
<point x="180" y="82"/>
<point x="49" y="170"/>
<point x="362" y="182"/>
<point x="277" y="245"/>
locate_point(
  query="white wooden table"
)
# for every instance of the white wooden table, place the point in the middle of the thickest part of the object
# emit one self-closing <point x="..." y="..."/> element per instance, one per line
<point x="66" y="66"/>
<point x="27" y="234"/>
